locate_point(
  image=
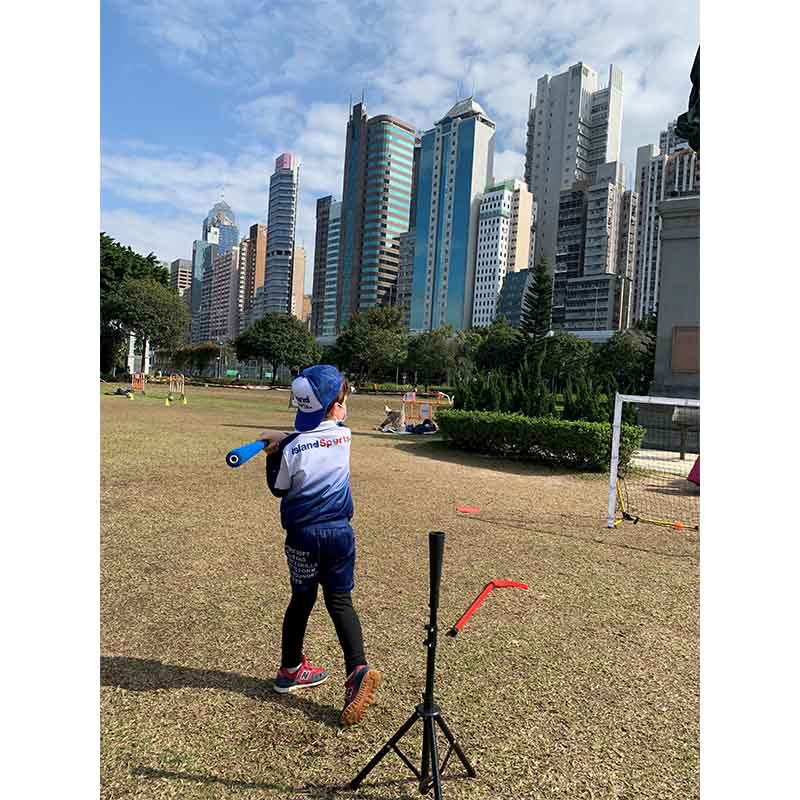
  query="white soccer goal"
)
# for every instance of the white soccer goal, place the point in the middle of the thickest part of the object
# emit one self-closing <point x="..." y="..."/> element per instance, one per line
<point x="657" y="481"/>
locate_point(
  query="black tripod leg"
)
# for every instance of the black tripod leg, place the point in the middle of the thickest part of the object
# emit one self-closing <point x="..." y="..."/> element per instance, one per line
<point x="437" y="778"/>
<point x="356" y="782"/>
<point x="456" y="746"/>
<point x="424" y="781"/>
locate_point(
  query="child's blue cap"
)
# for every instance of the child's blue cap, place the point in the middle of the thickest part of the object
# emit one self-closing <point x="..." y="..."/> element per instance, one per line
<point x="314" y="390"/>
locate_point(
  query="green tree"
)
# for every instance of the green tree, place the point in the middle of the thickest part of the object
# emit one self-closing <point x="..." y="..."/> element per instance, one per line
<point x="501" y="347"/>
<point x="467" y="342"/>
<point x="537" y="309"/>
<point x="117" y="264"/>
<point x="432" y="355"/>
<point x="565" y="355"/>
<point x="373" y="344"/>
<point x="532" y="395"/>
<point x="278" y="339"/>
<point x="151" y="311"/>
<point x="583" y="402"/>
<point x="620" y="363"/>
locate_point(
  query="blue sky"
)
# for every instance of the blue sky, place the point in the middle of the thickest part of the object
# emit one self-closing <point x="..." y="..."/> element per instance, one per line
<point x="199" y="96"/>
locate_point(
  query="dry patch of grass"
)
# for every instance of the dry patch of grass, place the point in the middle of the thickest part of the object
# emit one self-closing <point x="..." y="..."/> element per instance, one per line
<point x="585" y="686"/>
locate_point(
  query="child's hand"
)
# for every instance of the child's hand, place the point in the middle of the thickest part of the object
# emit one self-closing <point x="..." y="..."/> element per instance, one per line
<point x="273" y="439"/>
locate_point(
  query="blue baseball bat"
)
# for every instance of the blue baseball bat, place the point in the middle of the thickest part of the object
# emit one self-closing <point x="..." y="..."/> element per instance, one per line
<point x="244" y="453"/>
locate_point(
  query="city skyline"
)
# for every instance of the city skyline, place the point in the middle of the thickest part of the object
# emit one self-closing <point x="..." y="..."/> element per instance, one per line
<point x="216" y="117"/>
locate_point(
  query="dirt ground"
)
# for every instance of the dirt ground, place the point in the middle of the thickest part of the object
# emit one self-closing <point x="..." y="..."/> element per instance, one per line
<point x="584" y="686"/>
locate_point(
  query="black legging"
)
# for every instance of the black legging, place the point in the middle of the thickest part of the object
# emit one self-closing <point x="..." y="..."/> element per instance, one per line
<point x="345" y="620"/>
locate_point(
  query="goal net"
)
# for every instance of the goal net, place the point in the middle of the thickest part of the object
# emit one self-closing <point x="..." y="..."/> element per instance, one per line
<point x="659" y="481"/>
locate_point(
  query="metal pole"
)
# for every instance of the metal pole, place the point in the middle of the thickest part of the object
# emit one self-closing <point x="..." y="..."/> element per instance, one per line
<point x="615" y="436"/>
<point x="436" y="542"/>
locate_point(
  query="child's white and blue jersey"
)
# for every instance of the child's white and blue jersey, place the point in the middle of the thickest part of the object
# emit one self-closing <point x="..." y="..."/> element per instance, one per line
<point x="311" y="474"/>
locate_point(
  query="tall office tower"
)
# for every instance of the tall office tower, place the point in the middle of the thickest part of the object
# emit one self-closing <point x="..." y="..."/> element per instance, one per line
<point x="201" y="321"/>
<point x="376" y="197"/>
<point x="329" y="307"/>
<point x="203" y="255"/>
<point x="505" y="213"/>
<point x="669" y="141"/>
<point x="405" y="246"/>
<point x="320" y="263"/>
<point x="412" y="210"/>
<point x="305" y="316"/>
<point x="256" y="263"/>
<point x="512" y="295"/>
<point x="574" y="127"/>
<point x="227" y="293"/>
<point x="569" y="247"/>
<point x="180" y="279"/>
<point x="658" y="177"/>
<point x="405" y="275"/>
<point x="599" y="299"/>
<point x="456" y="162"/>
<point x="626" y="257"/>
<point x="281" y="225"/>
<point x="223" y="219"/>
<point x="603" y="201"/>
<point x="298" y="281"/>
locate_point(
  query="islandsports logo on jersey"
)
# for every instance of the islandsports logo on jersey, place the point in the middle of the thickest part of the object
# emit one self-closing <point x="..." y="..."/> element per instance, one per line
<point x="317" y="443"/>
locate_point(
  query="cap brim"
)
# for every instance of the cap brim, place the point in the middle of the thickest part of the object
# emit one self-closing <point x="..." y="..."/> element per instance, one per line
<point x="308" y="420"/>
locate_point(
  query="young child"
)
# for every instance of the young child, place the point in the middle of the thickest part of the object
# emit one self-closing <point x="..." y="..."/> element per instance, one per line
<point x="310" y="471"/>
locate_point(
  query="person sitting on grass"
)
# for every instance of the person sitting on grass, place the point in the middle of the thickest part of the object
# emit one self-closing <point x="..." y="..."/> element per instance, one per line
<point x="309" y="470"/>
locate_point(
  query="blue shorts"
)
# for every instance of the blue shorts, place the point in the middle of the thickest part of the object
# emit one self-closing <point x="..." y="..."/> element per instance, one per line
<point x="323" y="554"/>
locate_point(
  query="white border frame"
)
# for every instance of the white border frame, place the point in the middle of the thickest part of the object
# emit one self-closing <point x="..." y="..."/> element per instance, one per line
<point x="686" y="402"/>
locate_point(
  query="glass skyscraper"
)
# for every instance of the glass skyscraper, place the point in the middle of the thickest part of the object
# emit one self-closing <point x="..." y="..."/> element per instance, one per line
<point x="456" y="165"/>
<point x="281" y="223"/>
<point x="332" y="260"/>
<point x="222" y="217"/>
<point x="376" y="202"/>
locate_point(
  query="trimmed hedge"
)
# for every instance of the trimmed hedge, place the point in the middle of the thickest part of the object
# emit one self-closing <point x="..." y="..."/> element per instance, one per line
<point x="547" y="440"/>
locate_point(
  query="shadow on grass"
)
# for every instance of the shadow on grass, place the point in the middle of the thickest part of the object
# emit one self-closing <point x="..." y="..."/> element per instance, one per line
<point x="326" y="792"/>
<point x="320" y="792"/>
<point x="442" y="450"/>
<point x="144" y="675"/>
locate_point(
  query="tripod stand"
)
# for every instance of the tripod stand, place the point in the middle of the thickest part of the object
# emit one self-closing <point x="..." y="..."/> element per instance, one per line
<point x="430" y="772"/>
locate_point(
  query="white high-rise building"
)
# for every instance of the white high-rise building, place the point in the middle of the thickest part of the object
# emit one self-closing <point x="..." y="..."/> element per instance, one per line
<point x="227" y="293"/>
<point x="504" y="225"/>
<point x="659" y="176"/>
<point x="574" y="127"/>
<point x="298" y="281"/>
<point x="599" y="297"/>
<point x="281" y="223"/>
<point x="603" y="203"/>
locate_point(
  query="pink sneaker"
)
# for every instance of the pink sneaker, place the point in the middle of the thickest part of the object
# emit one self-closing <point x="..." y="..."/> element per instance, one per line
<point x="301" y="678"/>
<point x="359" y="692"/>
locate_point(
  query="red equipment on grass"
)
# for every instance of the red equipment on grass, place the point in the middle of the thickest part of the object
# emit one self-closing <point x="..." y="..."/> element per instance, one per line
<point x="480" y="598"/>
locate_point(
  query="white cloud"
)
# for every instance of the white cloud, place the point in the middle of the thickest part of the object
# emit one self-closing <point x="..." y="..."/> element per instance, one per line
<point x="508" y="164"/>
<point x="169" y="237"/>
<point x="270" y="114"/>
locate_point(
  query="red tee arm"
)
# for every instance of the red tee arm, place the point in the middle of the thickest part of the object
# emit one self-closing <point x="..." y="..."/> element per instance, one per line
<point x="476" y="603"/>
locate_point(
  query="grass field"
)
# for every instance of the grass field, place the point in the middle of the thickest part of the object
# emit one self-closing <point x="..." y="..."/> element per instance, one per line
<point x="585" y="686"/>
